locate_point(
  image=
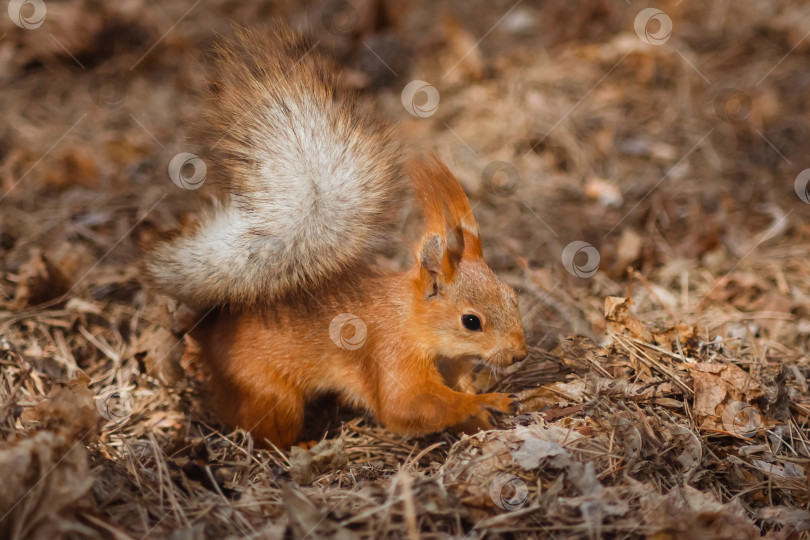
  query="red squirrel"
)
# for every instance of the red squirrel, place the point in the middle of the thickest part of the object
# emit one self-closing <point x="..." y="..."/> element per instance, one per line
<point x="311" y="182"/>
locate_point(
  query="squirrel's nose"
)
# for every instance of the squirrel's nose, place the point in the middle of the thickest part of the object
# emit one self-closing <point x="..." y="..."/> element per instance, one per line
<point x="520" y="356"/>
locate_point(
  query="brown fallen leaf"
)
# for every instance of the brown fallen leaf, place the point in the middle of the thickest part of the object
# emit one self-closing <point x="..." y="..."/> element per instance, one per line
<point x="604" y="191"/>
<point x="161" y="353"/>
<point x="620" y="319"/>
<point x="73" y="167"/>
<point x="686" y="512"/>
<point x="739" y="383"/>
<point x="71" y="411"/>
<point x="723" y="397"/>
<point x="710" y="392"/>
<point x="306" y="519"/>
<point x="45" y="478"/>
<point x="461" y="45"/>
<point x="308" y="465"/>
<point x="796" y="518"/>
<point x="47" y="275"/>
<point x="629" y="248"/>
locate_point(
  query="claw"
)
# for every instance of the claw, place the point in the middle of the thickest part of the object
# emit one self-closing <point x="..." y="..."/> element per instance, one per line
<point x="503" y="403"/>
<point x="516" y="404"/>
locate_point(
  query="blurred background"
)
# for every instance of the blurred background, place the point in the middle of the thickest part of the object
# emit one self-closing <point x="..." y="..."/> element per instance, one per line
<point x="608" y="148"/>
<point x="668" y="139"/>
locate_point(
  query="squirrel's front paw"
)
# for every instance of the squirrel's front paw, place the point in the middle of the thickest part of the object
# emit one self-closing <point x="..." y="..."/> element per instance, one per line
<point x="505" y="403"/>
<point x="482" y="421"/>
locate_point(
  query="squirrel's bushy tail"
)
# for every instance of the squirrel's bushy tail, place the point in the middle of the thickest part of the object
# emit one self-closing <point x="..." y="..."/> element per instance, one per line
<point x="310" y="174"/>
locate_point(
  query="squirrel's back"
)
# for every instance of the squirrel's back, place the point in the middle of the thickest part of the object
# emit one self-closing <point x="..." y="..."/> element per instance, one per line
<point x="311" y="178"/>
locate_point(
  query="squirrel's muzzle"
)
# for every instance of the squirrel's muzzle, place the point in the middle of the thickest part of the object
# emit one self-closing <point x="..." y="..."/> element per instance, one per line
<point x="519" y="357"/>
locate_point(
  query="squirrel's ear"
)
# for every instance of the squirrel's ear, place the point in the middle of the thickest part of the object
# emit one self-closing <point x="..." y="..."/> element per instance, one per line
<point x="434" y="262"/>
<point x="445" y="204"/>
<point x="460" y="217"/>
<point x="432" y="253"/>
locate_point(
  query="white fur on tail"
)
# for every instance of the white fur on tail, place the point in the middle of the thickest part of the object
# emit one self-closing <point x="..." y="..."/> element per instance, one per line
<point x="311" y="178"/>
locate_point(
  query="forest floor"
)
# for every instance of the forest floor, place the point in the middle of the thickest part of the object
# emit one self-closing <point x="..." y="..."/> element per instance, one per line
<point x="640" y="177"/>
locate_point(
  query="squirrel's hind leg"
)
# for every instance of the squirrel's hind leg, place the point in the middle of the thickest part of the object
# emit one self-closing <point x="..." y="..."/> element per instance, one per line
<point x="274" y="412"/>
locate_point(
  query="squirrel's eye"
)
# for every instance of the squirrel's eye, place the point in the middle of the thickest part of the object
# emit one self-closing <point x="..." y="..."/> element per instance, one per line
<point x="471" y="322"/>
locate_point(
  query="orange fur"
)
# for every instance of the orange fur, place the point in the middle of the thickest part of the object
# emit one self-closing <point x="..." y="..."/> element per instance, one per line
<point x="311" y="179"/>
<point x="437" y="186"/>
<point x="267" y="365"/>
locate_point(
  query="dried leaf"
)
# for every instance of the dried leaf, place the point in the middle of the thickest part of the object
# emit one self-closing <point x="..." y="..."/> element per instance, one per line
<point x="306" y="519"/>
<point x="797" y="518"/>
<point x="534" y="450"/>
<point x="43" y="477"/>
<point x="620" y="319"/>
<point x="307" y="465"/>
<point x="160" y="352"/>
<point x="604" y="192"/>
<point x="71" y="411"/>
